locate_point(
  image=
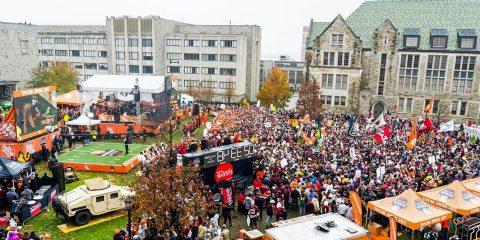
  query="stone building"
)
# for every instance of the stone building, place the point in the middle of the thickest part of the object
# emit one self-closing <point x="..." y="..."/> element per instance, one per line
<point x="216" y="56"/>
<point x="395" y="55"/>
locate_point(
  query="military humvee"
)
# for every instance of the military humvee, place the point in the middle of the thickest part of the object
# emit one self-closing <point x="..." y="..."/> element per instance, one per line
<point x="96" y="197"/>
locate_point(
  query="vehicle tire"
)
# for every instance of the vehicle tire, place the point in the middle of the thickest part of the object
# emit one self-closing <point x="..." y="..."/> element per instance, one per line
<point x="81" y="218"/>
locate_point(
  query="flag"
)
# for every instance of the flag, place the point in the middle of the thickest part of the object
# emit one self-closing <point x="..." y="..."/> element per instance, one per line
<point x="412" y="137"/>
<point x="356" y="207"/>
<point x="353" y="127"/>
<point x="273" y="109"/>
<point x="426" y="126"/>
<point x="382" y="136"/>
<point x="429" y="106"/>
<point x="306" y="118"/>
<point x="447" y="127"/>
<point x="378" y="123"/>
<point x="318" y="134"/>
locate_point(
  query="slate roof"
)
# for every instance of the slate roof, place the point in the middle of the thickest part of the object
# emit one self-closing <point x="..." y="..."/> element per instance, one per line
<point x="426" y="15"/>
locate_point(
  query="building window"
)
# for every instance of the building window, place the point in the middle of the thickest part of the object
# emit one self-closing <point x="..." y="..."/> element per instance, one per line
<point x="412" y="41"/>
<point x="173" y="69"/>
<point x="228" y="57"/>
<point x="133" y="69"/>
<point x="120" y="42"/>
<point x="133" y="55"/>
<point x="209" y="84"/>
<point x="341" y="82"/>
<point x="46" y="40"/>
<point x="190" y="83"/>
<point x="75" y="53"/>
<point x="226" y="85"/>
<point x="435" y="105"/>
<point x="174" y="42"/>
<point x="327" y="81"/>
<point x="381" y="75"/>
<point x="174" y="56"/>
<point x="191" y="56"/>
<point x="61" y="53"/>
<point x="91" y="66"/>
<point x="102" y="66"/>
<point x="467" y="42"/>
<point x="133" y="42"/>
<point x="291" y="77"/>
<point x="46" y="52"/>
<point x="209" y="43"/>
<point x="328" y="58"/>
<point x="86" y="77"/>
<point x="190" y="70"/>
<point x="439" y="42"/>
<point x="405" y="105"/>
<point x="228" y="71"/>
<point x="192" y="43"/>
<point x="146" y="42"/>
<point x="340" y="101"/>
<point x="147" y="56"/>
<point x="210" y="71"/>
<point x="343" y="59"/>
<point x="89" y="41"/>
<point x="89" y="53"/>
<point x="435" y="74"/>
<point x="463" y="74"/>
<point x="228" y="43"/>
<point x="75" y="41"/>
<point x="408" y="75"/>
<point x="459" y="108"/>
<point x="60" y="40"/>
<point x="326" y="100"/>
<point x="209" y="57"/>
<point x="120" y="68"/>
<point x="77" y="65"/>
<point x="102" y="41"/>
<point x="337" y="39"/>
<point x="120" y="55"/>
<point x="148" y="69"/>
<point x="102" y="54"/>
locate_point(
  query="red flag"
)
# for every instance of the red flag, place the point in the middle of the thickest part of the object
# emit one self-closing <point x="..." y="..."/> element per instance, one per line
<point x="426" y="126"/>
<point x="382" y="136"/>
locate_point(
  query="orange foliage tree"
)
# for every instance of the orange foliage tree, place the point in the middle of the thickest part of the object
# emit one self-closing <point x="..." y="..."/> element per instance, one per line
<point x="275" y="90"/>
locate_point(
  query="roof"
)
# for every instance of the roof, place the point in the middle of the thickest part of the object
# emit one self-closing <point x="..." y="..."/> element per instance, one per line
<point x="467" y="33"/>
<point x="290" y="229"/>
<point x="124" y="83"/>
<point x="439" y="32"/>
<point x="315" y="29"/>
<point x="426" y="15"/>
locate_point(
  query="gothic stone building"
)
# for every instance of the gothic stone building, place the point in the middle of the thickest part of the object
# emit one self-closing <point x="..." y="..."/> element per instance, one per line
<point x="394" y="55"/>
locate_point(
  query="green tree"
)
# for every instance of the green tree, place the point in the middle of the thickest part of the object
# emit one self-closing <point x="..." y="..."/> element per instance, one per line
<point x="59" y="75"/>
<point x="275" y="90"/>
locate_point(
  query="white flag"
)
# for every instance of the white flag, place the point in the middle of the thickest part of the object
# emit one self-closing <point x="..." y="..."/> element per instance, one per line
<point x="378" y="123"/>
<point x="447" y="127"/>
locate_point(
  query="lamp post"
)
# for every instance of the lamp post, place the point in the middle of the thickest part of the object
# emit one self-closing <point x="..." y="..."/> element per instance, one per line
<point x="129" y="205"/>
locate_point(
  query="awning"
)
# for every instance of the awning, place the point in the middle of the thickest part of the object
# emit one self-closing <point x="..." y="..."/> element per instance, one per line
<point x="10" y="169"/>
<point x="73" y="98"/>
<point x="439" y="32"/>
<point x="409" y="210"/>
<point x="83" y="120"/>
<point x="467" y="33"/>
<point x="472" y="185"/>
<point x="454" y="197"/>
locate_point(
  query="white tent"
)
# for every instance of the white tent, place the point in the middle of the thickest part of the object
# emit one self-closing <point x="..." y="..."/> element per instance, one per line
<point x="124" y="83"/>
<point x="83" y="120"/>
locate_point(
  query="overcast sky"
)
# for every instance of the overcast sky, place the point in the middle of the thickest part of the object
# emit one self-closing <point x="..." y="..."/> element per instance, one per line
<point x="281" y="20"/>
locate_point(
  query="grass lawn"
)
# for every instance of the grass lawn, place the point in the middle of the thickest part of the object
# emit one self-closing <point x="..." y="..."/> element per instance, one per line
<point x="85" y="154"/>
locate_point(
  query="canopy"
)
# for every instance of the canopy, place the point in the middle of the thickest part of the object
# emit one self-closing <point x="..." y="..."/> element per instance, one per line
<point x="454" y="197"/>
<point x="409" y="210"/>
<point x="124" y="83"/>
<point x="73" y="98"/>
<point x="473" y="185"/>
<point x="83" y="120"/>
<point x="10" y="169"/>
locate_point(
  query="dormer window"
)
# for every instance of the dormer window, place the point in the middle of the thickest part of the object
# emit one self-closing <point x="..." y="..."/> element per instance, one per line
<point x="467" y="38"/>
<point x="337" y="39"/>
<point x="411" y="38"/>
<point x="439" y="38"/>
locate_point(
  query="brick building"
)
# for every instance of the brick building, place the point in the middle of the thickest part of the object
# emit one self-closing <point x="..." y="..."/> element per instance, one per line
<point x="394" y="55"/>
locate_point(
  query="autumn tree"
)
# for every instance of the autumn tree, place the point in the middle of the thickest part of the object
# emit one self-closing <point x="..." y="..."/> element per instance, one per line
<point x="60" y="75"/>
<point x="275" y="90"/>
<point x="230" y="90"/>
<point x="309" y="101"/>
<point x="169" y="196"/>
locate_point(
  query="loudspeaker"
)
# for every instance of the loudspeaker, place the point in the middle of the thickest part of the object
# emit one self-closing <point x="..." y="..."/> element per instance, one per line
<point x="59" y="175"/>
<point x="196" y="109"/>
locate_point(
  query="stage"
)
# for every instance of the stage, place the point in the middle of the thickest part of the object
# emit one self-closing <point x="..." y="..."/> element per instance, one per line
<point x="103" y="157"/>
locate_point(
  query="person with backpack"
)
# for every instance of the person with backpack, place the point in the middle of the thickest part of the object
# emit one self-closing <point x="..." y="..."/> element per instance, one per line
<point x="253" y="216"/>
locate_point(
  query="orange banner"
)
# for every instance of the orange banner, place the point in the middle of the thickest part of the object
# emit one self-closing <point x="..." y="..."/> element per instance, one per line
<point x="356" y="207"/>
<point x="393" y="227"/>
<point x="10" y="150"/>
<point x="26" y="92"/>
<point x="7" y="126"/>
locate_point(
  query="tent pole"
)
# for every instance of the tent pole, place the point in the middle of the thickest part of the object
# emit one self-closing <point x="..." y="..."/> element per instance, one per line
<point x="413" y="234"/>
